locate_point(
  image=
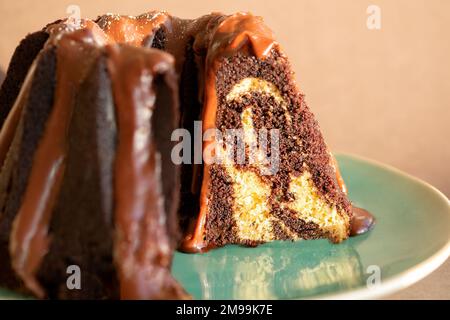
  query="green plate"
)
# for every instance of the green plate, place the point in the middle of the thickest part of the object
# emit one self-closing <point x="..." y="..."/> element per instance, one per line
<point x="410" y="240"/>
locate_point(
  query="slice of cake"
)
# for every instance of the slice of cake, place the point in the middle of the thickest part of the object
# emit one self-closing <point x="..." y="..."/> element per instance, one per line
<point x="248" y="84"/>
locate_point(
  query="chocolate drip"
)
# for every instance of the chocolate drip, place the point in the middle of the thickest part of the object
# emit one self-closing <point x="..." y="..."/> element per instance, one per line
<point x="142" y="248"/>
<point x="362" y="221"/>
<point x="29" y="240"/>
<point x="339" y="178"/>
<point x="117" y="28"/>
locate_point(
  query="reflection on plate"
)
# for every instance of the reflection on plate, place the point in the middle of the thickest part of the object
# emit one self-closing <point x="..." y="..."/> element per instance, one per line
<point x="271" y="271"/>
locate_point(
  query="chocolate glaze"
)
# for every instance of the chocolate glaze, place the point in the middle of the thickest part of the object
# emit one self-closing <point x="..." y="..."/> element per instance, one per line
<point x="362" y="221"/>
<point x="132" y="30"/>
<point x="29" y="239"/>
<point x="339" y="178"/>
<point x="193" y="241"/>
<point x="142" y="248"/>
<point x="143" y="269"/>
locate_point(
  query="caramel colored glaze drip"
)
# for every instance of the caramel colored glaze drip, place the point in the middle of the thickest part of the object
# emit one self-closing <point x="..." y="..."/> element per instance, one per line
<point x="29" y="240"/>
<point x="339" y="178"/>
<point x="362" y="221"/>
<point x="241" y="32"/>
<point x="193" y="241"/>
<point x="129" y="29"/>
<point x="141" y="248"/>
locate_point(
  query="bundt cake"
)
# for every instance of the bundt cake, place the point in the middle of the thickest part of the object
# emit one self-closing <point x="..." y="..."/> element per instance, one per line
<point x="97" y="172"/>
<point x="86" y="175"/>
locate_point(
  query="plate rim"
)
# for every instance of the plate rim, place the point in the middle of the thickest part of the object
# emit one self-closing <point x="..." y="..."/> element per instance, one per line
<point x="409" y="276"/>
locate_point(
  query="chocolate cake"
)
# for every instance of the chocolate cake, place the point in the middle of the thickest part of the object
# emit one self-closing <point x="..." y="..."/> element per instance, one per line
<point x="88" y="179"/>
<point x="86" y="175"/>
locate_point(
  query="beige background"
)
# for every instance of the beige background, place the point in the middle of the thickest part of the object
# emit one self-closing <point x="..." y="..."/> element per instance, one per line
<point x="383" y="94"/>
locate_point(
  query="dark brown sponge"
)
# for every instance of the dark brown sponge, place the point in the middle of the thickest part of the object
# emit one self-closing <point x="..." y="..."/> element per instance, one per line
<point x="20" y="63"/>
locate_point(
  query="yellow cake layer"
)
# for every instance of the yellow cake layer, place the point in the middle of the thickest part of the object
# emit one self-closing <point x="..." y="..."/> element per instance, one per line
<point x="248" y="85"/>
<point x="310" y="207"/>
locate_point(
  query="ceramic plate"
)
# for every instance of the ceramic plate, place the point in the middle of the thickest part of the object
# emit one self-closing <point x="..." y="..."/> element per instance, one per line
<point x="410" y="240"/>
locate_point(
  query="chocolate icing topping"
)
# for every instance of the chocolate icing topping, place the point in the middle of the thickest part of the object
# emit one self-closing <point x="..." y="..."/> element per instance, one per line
<point x="339" y="178"/>
<point x="362" y="221"/>
<point x="78" y="44"/>
<point x="29" y="238"/>
<point x="142" y="247"/>
<point x="132" y="30"/>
